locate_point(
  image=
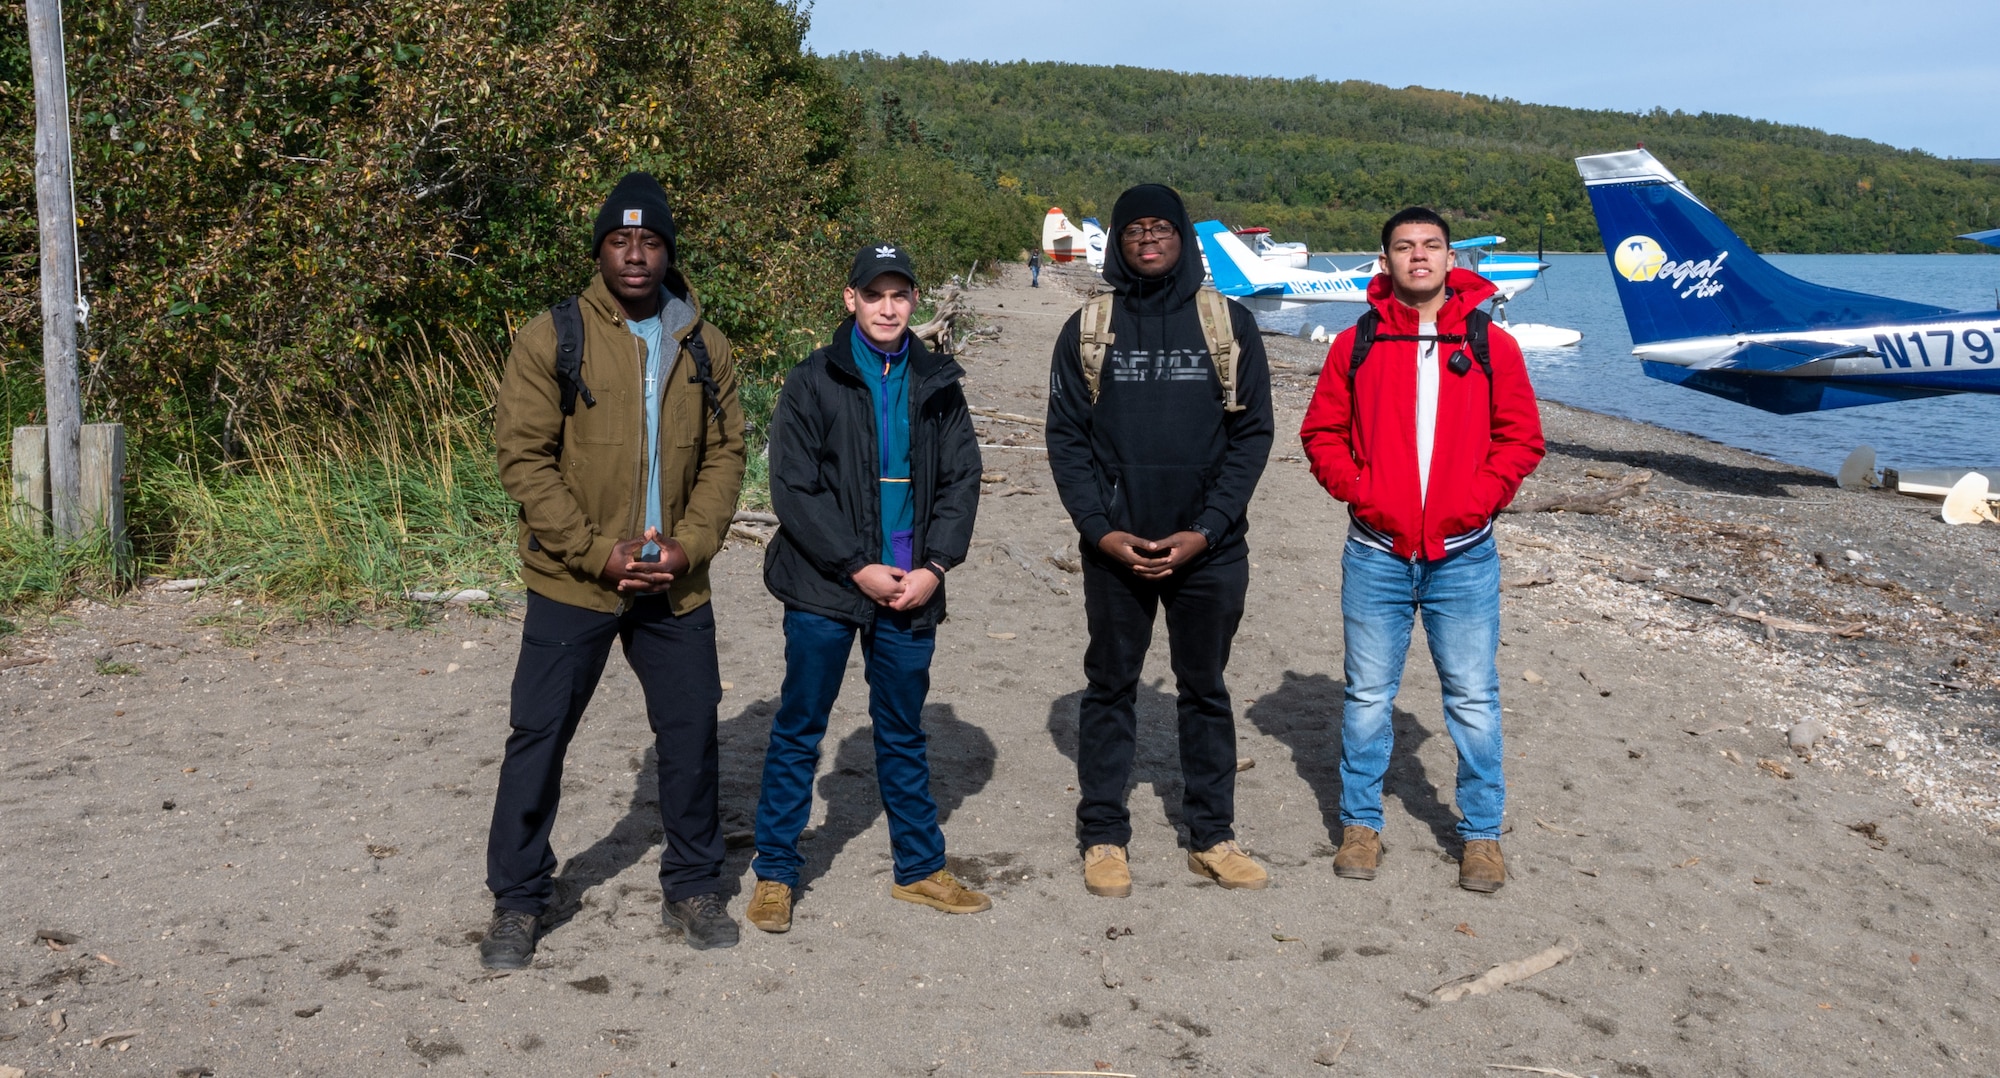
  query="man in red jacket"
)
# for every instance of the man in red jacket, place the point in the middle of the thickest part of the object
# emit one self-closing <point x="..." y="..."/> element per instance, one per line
<point x="1425" y="434"/>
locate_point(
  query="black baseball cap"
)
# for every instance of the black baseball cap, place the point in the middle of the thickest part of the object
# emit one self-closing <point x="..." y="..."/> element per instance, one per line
<point x="877" y="259"/>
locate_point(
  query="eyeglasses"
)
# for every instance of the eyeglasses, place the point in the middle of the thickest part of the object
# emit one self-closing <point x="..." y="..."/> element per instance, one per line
<point x="1142" y="233"/>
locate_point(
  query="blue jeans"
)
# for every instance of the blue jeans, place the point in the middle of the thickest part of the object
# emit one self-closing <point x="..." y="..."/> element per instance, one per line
<point x="897" y="660"/>
<point x="1459" y="597"/>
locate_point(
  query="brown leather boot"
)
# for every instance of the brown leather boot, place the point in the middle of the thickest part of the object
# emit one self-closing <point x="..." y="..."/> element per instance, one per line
<point x="941" y="891"/>
<point x="1482" y="868"/>
<point x="1360" y="852"/>
<point x="1227" y="864"/>
<point x="770" y="907"/>
<point x="1105" y="871"/>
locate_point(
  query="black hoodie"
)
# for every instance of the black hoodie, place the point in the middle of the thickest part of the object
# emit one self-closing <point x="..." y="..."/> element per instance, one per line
<point x="1157" y="454"/>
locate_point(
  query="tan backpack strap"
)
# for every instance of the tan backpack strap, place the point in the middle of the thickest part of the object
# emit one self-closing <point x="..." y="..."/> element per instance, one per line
<point x="1093" y="337"/>
<point x="1219" y="331"/>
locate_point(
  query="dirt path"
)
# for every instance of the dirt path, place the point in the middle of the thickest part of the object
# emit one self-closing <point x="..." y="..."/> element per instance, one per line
<point x="269" y="848"/>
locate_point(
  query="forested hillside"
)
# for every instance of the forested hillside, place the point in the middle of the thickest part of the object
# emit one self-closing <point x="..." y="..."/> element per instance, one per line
<point x="1326" y="161"/>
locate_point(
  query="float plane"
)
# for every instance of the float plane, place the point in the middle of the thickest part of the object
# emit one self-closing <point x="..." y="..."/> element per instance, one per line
<point x="1706" y="313"/>
<point x="1263" y="285"/>
<point x="1063" y="241"/>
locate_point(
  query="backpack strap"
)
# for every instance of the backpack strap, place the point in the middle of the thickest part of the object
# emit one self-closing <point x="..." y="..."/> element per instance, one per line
<point x="704" y="371"/>
<point x="1218" y="330"/>
<point x="1475" y="338"/>
<point x="1477" y="323"/>
<point x="569" y="355"/>
<point x="1364" y="342"/>
<point x="1093" y="338"/>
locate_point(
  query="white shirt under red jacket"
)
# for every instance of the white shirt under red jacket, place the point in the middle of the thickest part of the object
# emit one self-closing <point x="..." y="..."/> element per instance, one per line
<point x="1364" y="449"/>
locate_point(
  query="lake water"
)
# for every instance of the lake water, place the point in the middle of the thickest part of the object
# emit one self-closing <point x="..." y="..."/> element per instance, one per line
<point x="1602" y="375"/>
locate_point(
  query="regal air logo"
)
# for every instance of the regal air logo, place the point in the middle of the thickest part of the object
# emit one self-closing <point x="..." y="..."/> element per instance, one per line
<point x="1641" y="258"/>
<point x="1638" y="258"/>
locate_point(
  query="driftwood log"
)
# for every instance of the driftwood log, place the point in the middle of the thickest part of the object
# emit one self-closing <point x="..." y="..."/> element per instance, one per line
<point x="940" y="332"/>
<point x="1589" y="502"/>
<point x="1733" y="606"/>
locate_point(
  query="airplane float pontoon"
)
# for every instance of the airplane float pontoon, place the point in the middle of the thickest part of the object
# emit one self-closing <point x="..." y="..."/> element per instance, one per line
<point x="1706" y="313"/>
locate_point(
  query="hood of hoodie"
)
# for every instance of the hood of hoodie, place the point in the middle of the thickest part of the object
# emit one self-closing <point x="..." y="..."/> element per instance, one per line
<point x="1468" y="291"/>
<point x="1153" y="295"/>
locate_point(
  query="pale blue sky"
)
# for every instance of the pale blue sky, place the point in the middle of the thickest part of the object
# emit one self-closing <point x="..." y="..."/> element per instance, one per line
<point x="1922" y="74"/>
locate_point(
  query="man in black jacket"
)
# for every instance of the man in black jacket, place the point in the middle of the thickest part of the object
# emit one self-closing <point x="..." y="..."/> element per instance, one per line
<point x="1156" y="462"/>
<point x="875" y="479"/>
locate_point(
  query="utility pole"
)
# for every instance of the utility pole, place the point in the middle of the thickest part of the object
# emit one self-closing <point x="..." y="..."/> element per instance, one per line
<point x="56" y="211"/>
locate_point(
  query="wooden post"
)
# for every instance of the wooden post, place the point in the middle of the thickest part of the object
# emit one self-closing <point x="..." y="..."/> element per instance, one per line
<point x="30" y="508"/>
<point x="102" y="470"/>
<point x="56" y="213"/>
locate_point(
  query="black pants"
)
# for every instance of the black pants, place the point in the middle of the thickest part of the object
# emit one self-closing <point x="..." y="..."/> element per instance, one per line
<point x="1203" y="608"/>
<point x="563" y="649"/>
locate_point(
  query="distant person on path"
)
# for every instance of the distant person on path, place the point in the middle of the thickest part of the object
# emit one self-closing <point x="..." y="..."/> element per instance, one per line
<point x="1035" y="268"/>
<point x="620" y="436"/>
<point x="875" y="477"/>
<point x="1159" y="425"/>
<point x="1425" y="428"/>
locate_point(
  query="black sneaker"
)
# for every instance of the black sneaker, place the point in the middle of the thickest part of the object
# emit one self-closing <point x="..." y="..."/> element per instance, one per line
<point x="703" y="919"/>
<point x="510" y="940"/>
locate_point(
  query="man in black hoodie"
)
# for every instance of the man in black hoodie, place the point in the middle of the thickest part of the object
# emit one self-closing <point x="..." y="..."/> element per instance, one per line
<point x="1156" y="453"/>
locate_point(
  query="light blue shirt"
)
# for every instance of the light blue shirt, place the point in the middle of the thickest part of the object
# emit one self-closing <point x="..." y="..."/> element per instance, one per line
<point x="656" y="332"/>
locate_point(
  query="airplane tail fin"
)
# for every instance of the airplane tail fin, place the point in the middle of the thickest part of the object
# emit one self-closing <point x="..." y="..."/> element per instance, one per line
<point x="1061" y="240"/>
<point x="1093" y="242"/>
<point x="1682" y="273"/>
<point x="1236" y="270"/>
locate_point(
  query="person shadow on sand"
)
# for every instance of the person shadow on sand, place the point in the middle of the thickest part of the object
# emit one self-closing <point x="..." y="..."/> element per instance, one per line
<point x="1303" y="713"/>
<point x="961" y="755"/>
<point x="1156" y="755"/>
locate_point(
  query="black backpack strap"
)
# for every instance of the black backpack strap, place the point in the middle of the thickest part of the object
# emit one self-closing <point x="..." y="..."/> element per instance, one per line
<point x="1475" y="338"/>
<point x="1364" y="342"/>
<point x="1477" y="323"/>
<point x="704" y="372"/>
<point x="569" y="355"/>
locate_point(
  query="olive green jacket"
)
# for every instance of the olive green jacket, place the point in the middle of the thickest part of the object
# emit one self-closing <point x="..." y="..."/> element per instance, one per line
<point x="580" y="479"/>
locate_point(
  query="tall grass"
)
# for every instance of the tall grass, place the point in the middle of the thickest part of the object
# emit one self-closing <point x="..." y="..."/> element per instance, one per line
<point x="324" y="516"/>
<point x="336" y="517"/>
<point x="320" y="515"/>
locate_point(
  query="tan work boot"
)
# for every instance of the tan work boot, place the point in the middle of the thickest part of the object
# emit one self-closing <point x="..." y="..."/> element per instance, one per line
<point x="1482" y="868"/>
<point x="1105" y="871"/>
<point x="941" y="891"/>
<point x="1227" y="864"/>
<point x="1360" y="852"/>
<point x="770" y="907"/>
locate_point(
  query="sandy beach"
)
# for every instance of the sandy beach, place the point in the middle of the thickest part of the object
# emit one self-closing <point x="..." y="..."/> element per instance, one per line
<point x="237" y="848"/>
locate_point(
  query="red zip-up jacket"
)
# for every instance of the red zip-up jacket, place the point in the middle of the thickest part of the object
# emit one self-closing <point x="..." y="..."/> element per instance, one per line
<point x="1364" y="450"/>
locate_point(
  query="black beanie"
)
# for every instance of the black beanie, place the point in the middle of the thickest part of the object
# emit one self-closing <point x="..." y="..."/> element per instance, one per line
<point x="1148" y="200"/>
<point x="637" y="202"/>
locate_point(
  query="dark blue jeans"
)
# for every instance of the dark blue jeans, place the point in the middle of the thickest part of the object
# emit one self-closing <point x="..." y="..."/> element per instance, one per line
<point x="563" y="649"/>
<point x="897" y="661"/>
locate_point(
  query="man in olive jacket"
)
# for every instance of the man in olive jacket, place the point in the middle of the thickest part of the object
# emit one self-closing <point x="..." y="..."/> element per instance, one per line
<point x="627" y="466"/>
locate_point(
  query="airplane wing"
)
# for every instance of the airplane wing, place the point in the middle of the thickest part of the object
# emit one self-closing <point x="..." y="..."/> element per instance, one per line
<point x="1990" y="237"/>
<point x="1779" y="356"/>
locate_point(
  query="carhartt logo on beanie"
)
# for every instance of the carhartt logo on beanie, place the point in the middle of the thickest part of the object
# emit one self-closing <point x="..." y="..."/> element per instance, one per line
<point x="637" y="202"/>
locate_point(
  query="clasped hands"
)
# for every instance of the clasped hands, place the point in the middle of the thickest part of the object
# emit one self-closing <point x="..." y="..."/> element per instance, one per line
<point x="635" y="577"/>
<point x="888" y="586"/>
<point x="1152" y="559"/>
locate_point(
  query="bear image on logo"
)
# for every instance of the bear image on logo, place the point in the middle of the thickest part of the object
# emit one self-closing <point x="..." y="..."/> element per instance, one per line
<point x="1639" y="258"/>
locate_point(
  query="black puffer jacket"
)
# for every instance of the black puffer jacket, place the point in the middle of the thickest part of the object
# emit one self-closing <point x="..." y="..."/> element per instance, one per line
<point x="1157" y="454"/>
<point x="825" y="467"/>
